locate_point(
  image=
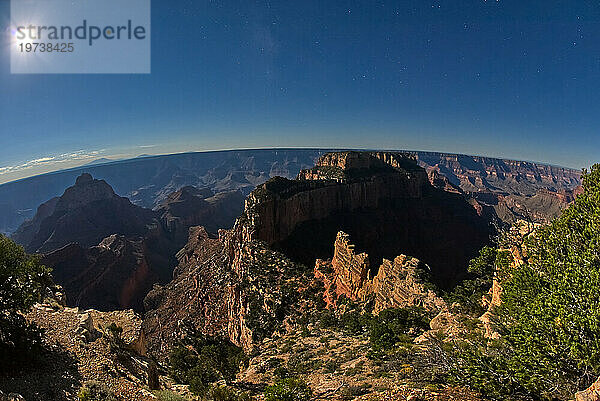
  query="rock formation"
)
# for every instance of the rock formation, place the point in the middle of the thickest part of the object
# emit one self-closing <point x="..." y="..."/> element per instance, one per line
<point x="243" y="285"/>
<point x="395" y="284"/>
<point x="85" y="214"/>
<point x="383" y="200"/>
<point x="190" y="206"/>
<point x="74" y="356"/>
<point x="592" y="393"/>
<point x="106" y="252"/>
<point x="115" y="274"/>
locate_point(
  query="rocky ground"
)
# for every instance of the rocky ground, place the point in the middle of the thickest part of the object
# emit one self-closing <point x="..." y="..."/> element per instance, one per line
<point x="79" y="351"/>
<point x="336" y="366"/>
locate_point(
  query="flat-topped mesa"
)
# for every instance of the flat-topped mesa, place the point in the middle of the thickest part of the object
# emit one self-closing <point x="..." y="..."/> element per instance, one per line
<point x="385" y="201"/>
<point x="340" y="182"/>
<point x="353" y="165"/>
<point x="396" y="283"/>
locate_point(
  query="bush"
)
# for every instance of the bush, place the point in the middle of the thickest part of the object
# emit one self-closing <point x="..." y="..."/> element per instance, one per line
<point x="94" y="391"/>
<point x="328" y="319"/>
<point x="481" y="270"/>
<point x="22" y="278"/>
<point x="550" y="312"/>
<point x="288" y="389"/>
<point x="392" y="326"/>
<point x="21" y="344"/>
<point x="166" y="395"/>
<point x="224" y="393"/>
<point x="354" y="322"/>
<point x="200" y="360"/>
<point x="22" y="281"/>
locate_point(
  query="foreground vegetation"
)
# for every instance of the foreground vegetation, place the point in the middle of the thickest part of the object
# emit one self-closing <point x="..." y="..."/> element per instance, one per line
<point x="549" y="319"/>
<point x="22" y="281"/>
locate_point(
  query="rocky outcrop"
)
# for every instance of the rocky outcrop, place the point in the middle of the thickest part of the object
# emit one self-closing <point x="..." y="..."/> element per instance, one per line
<point x="229" y="286"/>
<point x="383" y="200"/>
<point x="197" y="293"/>
<point x="592" y="393"/>
<point x="73" y="357"/>
<point x="190" y="206"/>
<point x="116" y="274"/>
<point x="85" y="214"/>
<point x="245" y="285"/>
<point x="395" y="284"/>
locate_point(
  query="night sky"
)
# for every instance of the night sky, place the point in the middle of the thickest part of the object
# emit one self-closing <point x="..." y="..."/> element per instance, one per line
<point x="515" y="79"/>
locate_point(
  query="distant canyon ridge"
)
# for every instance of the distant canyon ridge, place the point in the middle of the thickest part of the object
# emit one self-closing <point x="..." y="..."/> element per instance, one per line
<point x="514" y="189"/>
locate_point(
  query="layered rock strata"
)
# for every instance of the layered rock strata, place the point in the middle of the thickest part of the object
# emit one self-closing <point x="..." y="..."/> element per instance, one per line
<point x="395" y="285"/>
<point x="385" y="201"/>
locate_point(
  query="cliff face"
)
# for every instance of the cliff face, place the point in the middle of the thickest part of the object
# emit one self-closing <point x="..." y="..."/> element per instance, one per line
<point x="395" y="285"/>
<point x="477" y="174"/>
<point x="248" y="284"/>
<point x="514" y="189"/>
<point x="116" y="274"/>
<point x="228" y="287"/>
<point x="190" y="206"/>
<point x="384" y="201"/>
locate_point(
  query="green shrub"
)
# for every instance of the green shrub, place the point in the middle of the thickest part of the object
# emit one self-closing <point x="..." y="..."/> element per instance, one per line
<point x="95" y="391"/>
<point x="281" y="372"/>
<point x="481" y="270"/>
<point x="22" y="281"/>
<point x="200" y="360"/>
<point x="392" y="326"/>
<point x="331" y="366"/>
<point x="354" y="322"/>
<point x="166" y="395"/>
<point x="288" y="389"/>
<point x="550" y="313"/>
<point x="301" y="362"/>
<point x="224" y="393"/>
<point x="328" y="319"/>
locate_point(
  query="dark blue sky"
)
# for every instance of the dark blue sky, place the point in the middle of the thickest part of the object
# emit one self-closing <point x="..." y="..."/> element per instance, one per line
<point x="517" y="79"/>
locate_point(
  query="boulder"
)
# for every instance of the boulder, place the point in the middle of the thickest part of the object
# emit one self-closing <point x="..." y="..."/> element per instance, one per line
<point x="86" y="328"/>
<point x="592" y="393"/>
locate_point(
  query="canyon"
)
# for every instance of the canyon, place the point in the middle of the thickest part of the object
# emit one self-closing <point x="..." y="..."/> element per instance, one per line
<point x="249" y="282"/>
<point x="148" y="180"/>
<point x="384" y="201"/>
<point x="268" y="260"/>
<point x="107" y="252"/>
